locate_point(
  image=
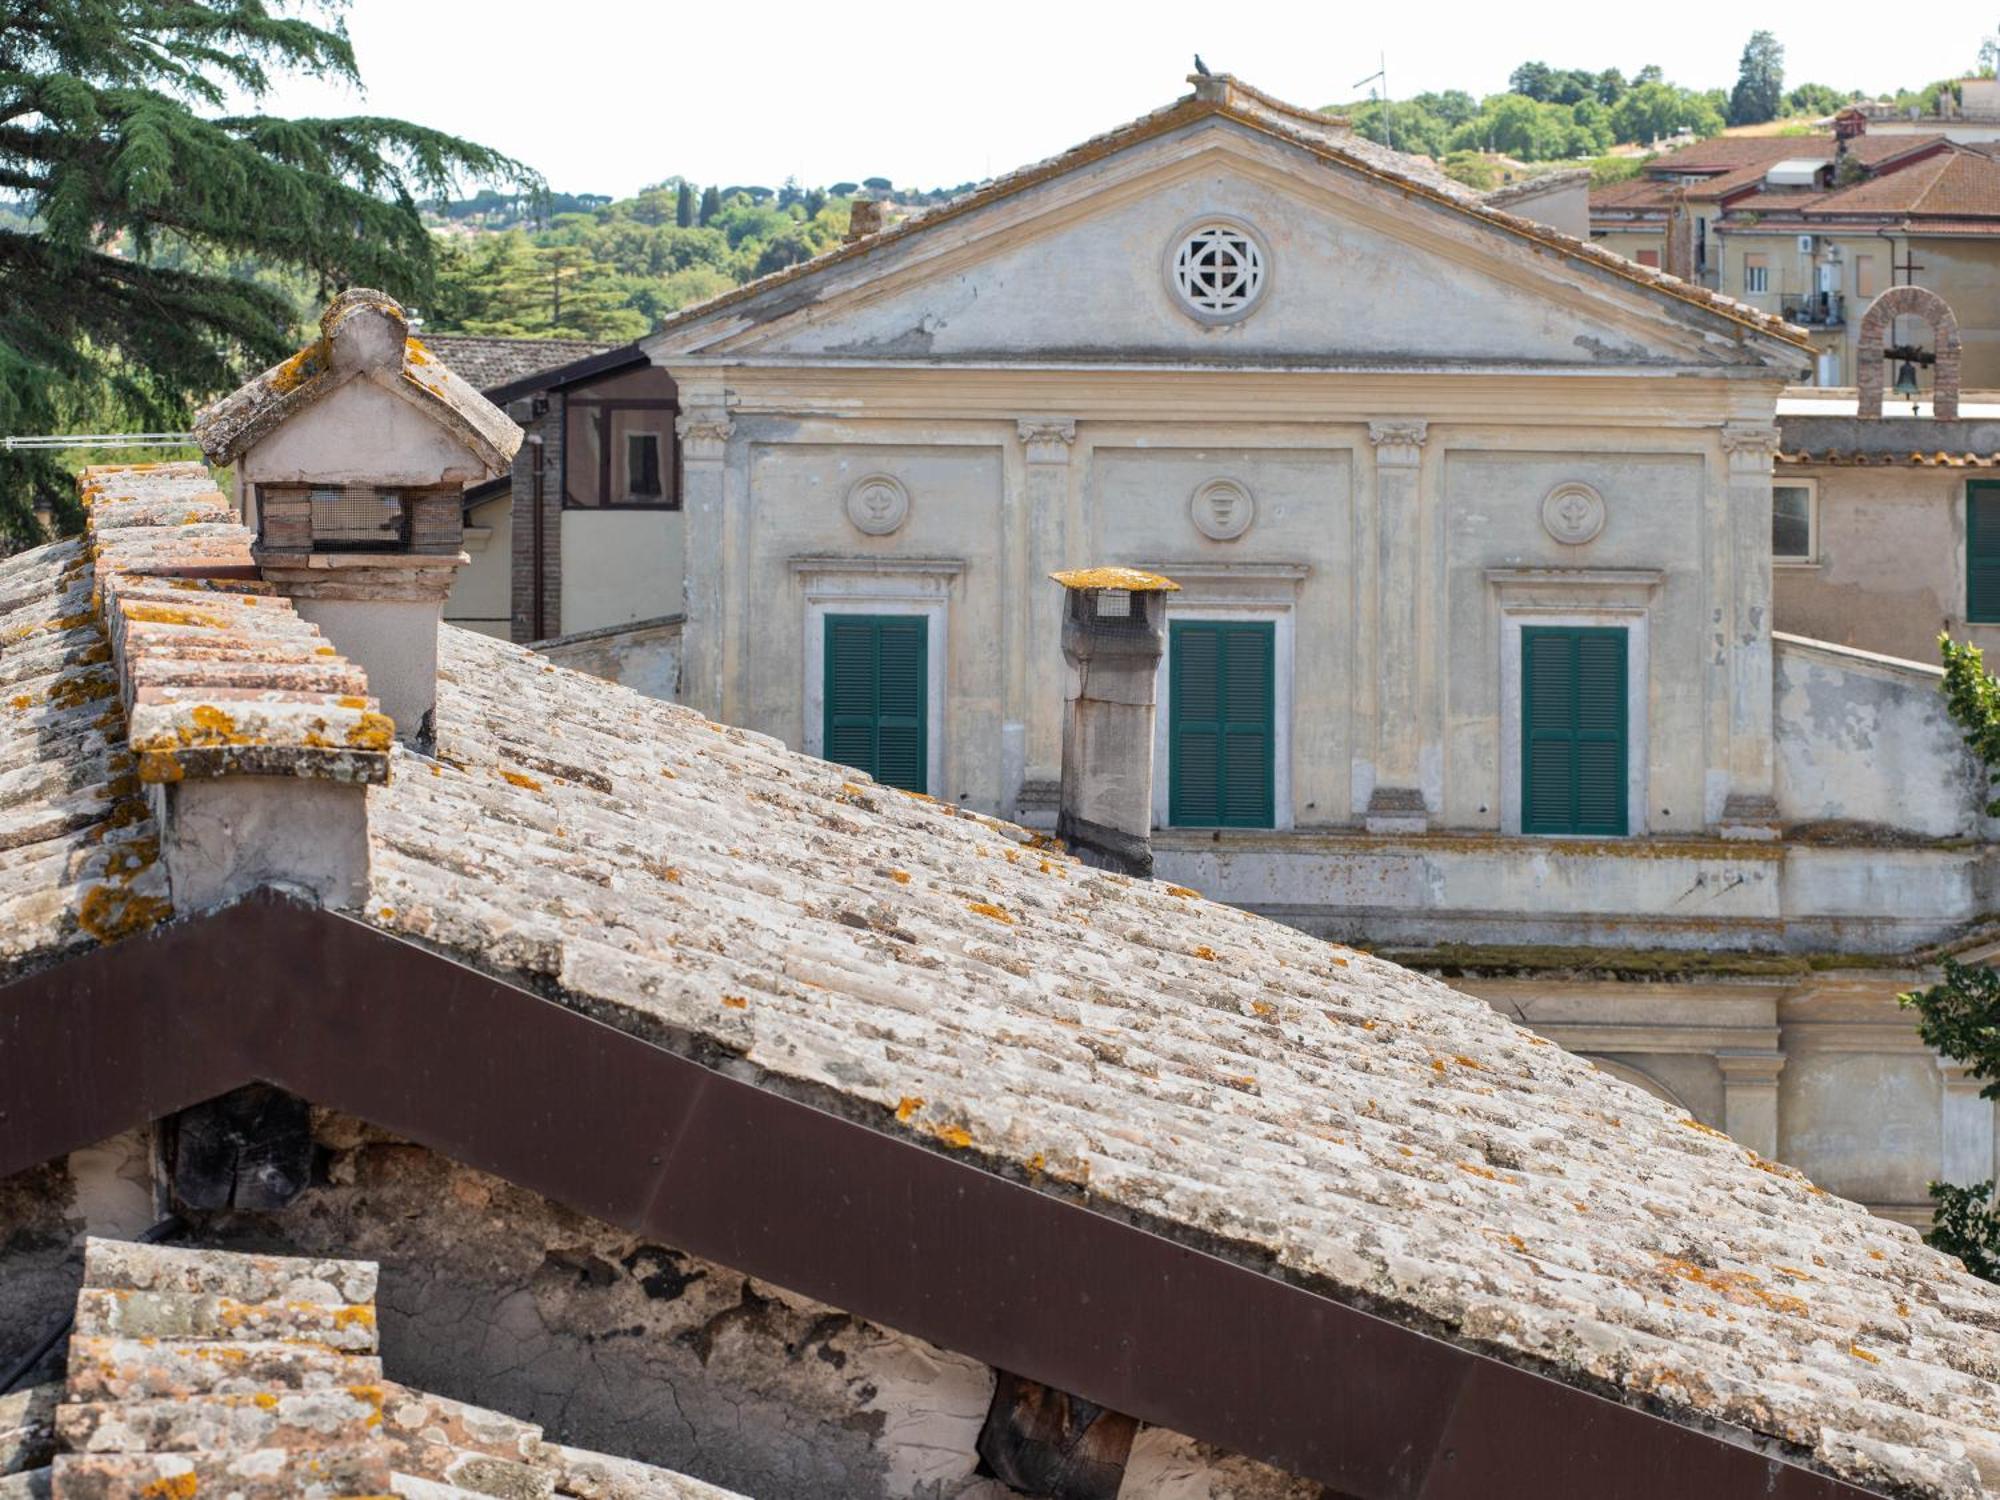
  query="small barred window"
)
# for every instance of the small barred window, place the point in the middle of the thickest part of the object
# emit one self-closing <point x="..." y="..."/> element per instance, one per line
<point x="1218" y="272"/>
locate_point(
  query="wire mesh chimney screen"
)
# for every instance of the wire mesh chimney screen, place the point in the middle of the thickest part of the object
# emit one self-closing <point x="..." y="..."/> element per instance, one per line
<point x="359" y="518"/>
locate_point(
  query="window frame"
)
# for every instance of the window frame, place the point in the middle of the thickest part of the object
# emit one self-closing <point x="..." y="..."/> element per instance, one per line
<point x="1526" y="688"/>
<point x="1268" y="631"/>
<point x="1278" y="613"/>
<point x="876" y="620"/>
<point x="1810" y="558"/>
<point x="1756" y="276"/>
<point x="1991" y="615"/>
<point x="601" y="410"/>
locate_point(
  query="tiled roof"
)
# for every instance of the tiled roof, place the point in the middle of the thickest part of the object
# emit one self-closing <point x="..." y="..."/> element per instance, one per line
<point x="1739" y="164"/>
<point x="488" y="363"/>
<point x="1322" y="1115"/>
<point x="1841" y="458"/>
<point x="344" y="351"/>
<point x="79" y="852"/>
<point x="1953" y="184"/>
<point x="220" y="675"/>
<point x="1325" y="136"/>
<point x="198" y="1372"/>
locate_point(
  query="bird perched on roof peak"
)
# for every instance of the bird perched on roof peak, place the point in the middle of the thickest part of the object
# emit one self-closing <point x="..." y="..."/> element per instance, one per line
<point x="1201" y="67"/>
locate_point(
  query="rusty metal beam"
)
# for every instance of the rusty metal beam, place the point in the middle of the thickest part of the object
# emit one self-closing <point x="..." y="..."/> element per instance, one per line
<point x="506" y="1080"/>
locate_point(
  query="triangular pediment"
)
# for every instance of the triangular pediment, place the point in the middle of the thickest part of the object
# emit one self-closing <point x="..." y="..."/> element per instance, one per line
<point x="1360" y="268"/>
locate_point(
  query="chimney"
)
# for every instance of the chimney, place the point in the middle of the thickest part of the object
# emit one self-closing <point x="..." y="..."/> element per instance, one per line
<point x="1849" y="124"/>
<point x="1114" y="632"/>
<point x="865" y="216"/>
<point x="352" y="459"/>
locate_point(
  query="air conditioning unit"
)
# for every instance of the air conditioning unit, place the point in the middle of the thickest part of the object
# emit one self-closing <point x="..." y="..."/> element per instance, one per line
<point x="1805" y="244"/>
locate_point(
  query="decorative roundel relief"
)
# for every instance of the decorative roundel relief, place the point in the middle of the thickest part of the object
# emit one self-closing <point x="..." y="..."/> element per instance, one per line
<point x="1573" y="513"/>
<point x="1222" y="510"/>
<point x="1217" y="269"/>
<point x="877" y="504"/>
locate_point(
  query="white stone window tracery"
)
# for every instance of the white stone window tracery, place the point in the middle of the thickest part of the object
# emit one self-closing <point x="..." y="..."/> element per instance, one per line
<point x="1218" y="271"/>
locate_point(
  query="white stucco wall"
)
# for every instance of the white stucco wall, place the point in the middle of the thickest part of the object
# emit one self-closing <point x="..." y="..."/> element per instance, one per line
<point x="482" y="594"/>
<point x="619" y="566"/>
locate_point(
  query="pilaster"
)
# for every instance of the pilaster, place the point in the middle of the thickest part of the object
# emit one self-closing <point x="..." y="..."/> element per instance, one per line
<point x="1046" y="442"/>
<point x="1966" y="1127"/>
<point x="1750" y="1098"/>
<point x="1750" y="809"/>
<point x="1396" y="802"/>
<point x="714" y="567"/>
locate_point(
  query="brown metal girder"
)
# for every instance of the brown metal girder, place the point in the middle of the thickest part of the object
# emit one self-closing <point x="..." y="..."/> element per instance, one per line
<point x="505" y="1080"/>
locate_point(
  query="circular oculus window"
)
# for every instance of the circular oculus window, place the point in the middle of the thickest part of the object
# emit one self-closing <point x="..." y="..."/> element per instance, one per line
<point x="1218" y="271"/>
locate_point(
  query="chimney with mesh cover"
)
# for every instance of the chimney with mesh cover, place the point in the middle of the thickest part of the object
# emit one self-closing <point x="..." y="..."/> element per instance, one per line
<point x="352" y="459"/>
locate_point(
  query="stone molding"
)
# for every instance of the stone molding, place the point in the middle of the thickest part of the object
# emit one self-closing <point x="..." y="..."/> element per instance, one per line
<point x="1399" y="441"/>
<point x="877" y="504"/>
<point x="1750" y="446"/>
<point x="1047" y="439"/>
<point x="1222" y="509"/>
<point x="704" y="433"/>
<point x="1573" y="513"/>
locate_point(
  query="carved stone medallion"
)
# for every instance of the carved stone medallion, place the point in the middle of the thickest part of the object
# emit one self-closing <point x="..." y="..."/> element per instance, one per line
<point x="877" y="504"/>
<point x="1573" y="513"/>
<point x="1222" y="510"/>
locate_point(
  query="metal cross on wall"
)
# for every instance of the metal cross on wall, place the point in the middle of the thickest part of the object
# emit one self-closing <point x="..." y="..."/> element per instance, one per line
<point x="1910" y="266"/>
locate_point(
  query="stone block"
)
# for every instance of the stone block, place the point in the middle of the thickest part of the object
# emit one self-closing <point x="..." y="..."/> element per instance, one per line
<point x="186" y="1315"/>
<point x="112" y="1369"/>
<point x="259" y="1474"/>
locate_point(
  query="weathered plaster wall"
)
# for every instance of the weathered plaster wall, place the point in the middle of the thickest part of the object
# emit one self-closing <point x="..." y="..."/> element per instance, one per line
<point x="1866" y="739"/>
<point x="481" y="596"/>
<point x="620" y="566"/>
<point x="646" y="658"/>
<point x="1890" y="570"/>
<point x="493" y="1295"/>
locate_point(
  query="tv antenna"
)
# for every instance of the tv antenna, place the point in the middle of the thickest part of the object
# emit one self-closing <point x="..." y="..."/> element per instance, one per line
<point x="1378" y="82"/>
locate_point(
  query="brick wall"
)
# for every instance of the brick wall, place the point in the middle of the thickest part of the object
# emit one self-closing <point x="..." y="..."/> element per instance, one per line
<point x="550" y="428"/>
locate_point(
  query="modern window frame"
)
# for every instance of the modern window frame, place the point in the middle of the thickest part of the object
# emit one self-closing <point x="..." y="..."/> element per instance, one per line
<point x="602" y="411"/>
<point x="1280" y="616"/>
<point x="1811" y="557"/>
<point x="1756" y="277"/>
<point x="1991" y="614"/>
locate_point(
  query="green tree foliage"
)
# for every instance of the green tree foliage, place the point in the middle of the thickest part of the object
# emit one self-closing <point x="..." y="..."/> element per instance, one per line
<point x="141" y="189"/>
<point x="1814" y="99"/>
<point x="1961" y="1016"/>
<point x="1760" y="81"/>
<point x="1653" y="111"/>
<point x="611" y="275"/>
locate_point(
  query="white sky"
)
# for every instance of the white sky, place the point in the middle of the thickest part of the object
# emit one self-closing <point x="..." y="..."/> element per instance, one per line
<point x="608" y="95"/>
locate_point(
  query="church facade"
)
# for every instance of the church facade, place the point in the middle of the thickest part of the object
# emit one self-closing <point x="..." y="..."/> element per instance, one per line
<point x="1471" y="657"/>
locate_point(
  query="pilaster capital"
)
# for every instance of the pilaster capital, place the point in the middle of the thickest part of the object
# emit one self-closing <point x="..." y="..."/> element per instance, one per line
<point x="1959" y="1077"/>
<point x="1047" y="439"/>
<point x="705" y="431"/>
<point x="1399" y="441"/>
<point x="1751" y="1069"/>
<point x="1750" y="446"/>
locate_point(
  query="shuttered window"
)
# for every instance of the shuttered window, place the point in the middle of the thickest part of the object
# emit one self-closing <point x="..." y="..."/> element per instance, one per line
<point x="876" y="691"/>
<point x="1220" y="714"/>
<point x="1573" y="727"/>
<point x="1982" y="551"/>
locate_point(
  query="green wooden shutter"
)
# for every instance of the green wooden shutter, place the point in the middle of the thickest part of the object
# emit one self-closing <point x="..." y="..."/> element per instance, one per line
<point x="1982" y="551"/>
<point x="1221" y="696"/>
<point x="876" y="690"/>
<point x="1573" y="730"/>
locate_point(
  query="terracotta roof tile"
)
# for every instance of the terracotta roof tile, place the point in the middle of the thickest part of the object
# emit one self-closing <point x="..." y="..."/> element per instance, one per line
<point x="218" y="674"/>
<point x="487" y="363"/>
<point x="258" y="1376"/>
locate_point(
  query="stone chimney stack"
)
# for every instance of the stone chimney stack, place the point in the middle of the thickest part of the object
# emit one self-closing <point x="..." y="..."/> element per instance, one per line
<point x="1114" y="633"/>
<point x="865" y="216"/>
<point x="352" y="459"/>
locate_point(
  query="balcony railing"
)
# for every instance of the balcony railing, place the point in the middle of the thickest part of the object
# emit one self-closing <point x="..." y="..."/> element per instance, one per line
<point x="1814" y="310"/>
